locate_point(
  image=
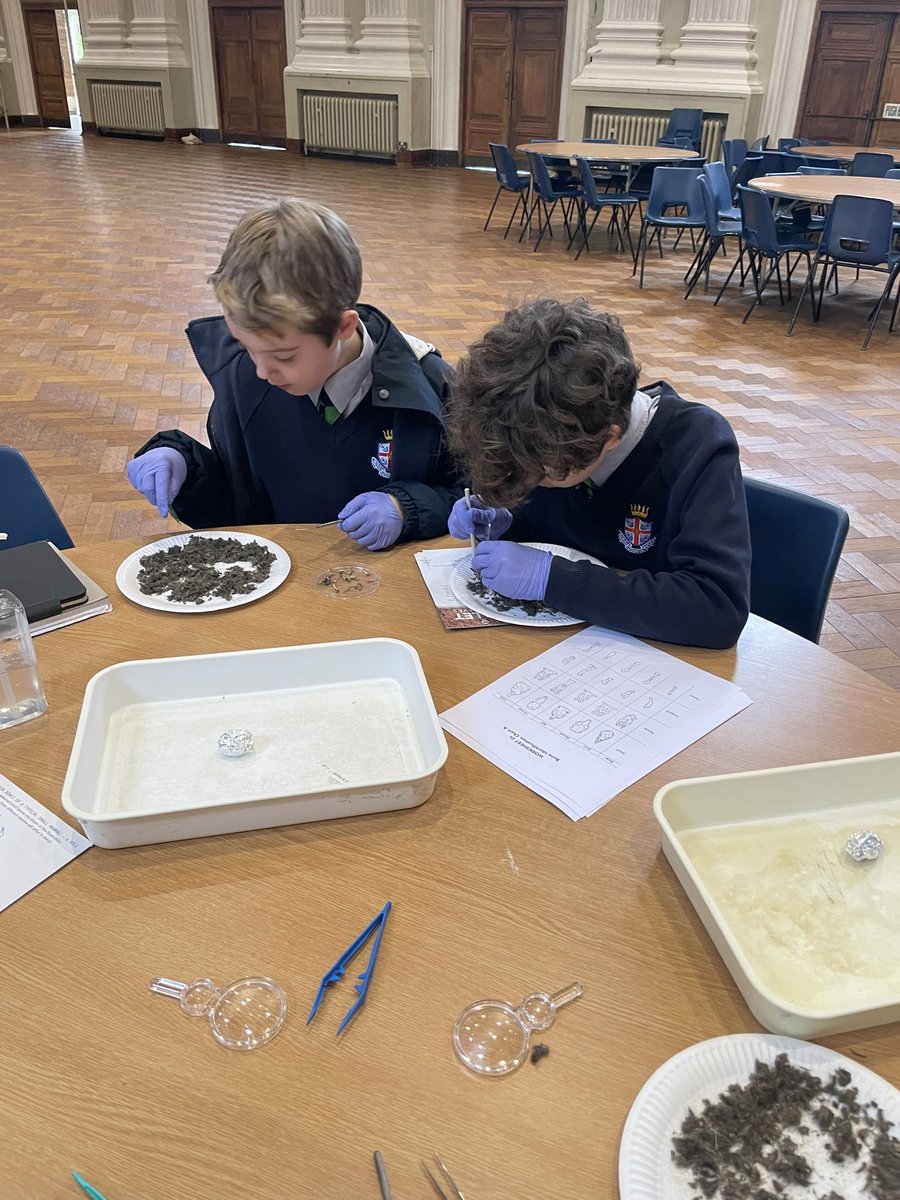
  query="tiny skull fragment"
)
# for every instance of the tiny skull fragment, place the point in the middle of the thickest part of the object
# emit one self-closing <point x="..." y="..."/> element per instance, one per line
<point x="235" y="743"/>
<point x="864" y="845"/>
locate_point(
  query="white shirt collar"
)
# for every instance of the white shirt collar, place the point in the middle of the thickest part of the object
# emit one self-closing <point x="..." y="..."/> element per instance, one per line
<point x="347" y="387"/>
<point x="642" y="409"/>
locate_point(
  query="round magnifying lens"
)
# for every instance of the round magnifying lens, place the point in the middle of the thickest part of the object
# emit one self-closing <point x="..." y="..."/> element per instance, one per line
<point x="491" y="1037"/>
<point x="248" y="1013"/>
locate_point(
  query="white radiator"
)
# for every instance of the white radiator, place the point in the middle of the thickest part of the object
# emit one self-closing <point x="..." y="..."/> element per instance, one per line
<point x="643" y="129"/>
<point x="350" y="124"/>
<point x="128" y="107"/>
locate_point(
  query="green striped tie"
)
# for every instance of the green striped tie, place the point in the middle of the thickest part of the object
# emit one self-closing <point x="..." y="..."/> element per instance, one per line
<point x="326" y="409"/>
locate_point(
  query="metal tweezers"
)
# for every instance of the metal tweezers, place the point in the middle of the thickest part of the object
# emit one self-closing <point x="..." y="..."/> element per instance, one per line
<point x="336" y="972"/>
<point x="455" y="1192"/>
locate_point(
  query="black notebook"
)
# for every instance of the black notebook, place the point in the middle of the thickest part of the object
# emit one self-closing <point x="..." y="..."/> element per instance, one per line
<point x="41" y="578"/>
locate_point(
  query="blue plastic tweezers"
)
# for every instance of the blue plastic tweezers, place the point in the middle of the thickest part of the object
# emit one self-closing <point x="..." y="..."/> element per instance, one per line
<point x="365" y="978"/>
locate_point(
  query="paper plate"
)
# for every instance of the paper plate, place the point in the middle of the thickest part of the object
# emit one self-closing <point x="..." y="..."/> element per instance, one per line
<point x="702" y="1072"/>
<point x="462" y="575"/>
<point x="126" y="576"/>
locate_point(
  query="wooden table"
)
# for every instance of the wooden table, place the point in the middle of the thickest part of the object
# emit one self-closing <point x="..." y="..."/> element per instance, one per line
<point x="495" y="893"/>
<point x="610" y="152"/>
<point x="844" y="153"/>
<point x="822" y="189"/>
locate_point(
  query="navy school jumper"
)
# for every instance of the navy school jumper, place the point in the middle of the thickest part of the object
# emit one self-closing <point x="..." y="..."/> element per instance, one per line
<point x="673" y="515"/>
<point x="273" y="459"/>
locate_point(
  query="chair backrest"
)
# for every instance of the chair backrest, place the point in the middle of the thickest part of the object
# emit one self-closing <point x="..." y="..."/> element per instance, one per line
<point x="796" y="541"/>
<point x="602" y="141"/>
<point x="540" y="176"/>
<point x="821" y="171"/>
<point x="717" y="178"/>
<point x="674" y="187"/>
<point x="894" y="173"/>
<point x="776" y="163"/>
<point x="758" y="227"/>
<point x="505" y="167"/>
<point x="859" y="230"/>
<point x="750" y="168"/>
<point x="759" y="144"/>
<point x="734" y="151"/>
<point x="711" y="209"/>
<point x="872" y="165"/>
<point x="685" y="123"/>
<point x="26" y="511"/>
<point x="785" y="144"/>
<point x="588" y="184"/>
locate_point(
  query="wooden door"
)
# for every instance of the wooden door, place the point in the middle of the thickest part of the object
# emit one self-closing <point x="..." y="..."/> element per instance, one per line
<point x="250" y="58"/>
<point x="845" y="76"/>
<point x="512" y="75"/>
<point x="47" y="66"/>
<point x="886" y="130"/>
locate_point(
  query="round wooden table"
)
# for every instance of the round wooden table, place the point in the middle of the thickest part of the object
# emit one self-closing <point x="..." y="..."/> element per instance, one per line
<point x="822" y="189"/>
<point x="495" y="893"/>
<point x="843" y="152"/>
<point x="610" y="152"/>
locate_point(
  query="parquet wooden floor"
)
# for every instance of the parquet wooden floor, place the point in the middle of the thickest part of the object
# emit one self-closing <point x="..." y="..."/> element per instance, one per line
<point x="106" y="246"/>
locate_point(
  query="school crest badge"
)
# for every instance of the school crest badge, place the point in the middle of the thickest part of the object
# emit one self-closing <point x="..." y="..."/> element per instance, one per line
<point x="382" y="461"/>
<point x="637" y="536"/>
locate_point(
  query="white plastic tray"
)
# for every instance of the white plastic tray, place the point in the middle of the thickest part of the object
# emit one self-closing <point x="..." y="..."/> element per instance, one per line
<point x="811" y="937"/>
<point x="339" y="729"/>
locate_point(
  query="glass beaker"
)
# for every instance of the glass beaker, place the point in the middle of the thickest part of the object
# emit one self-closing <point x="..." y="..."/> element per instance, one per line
<point x="491" y="1037"/>
<point x="21" y="694"/>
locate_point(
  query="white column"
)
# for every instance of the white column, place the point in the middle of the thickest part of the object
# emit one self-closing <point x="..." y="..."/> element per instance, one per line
<point x="579" y="16"/>
<point x="782" y="102"/>
<point x="154" y="35"/>
<point x="390" y="42"/>
<point x="204" y="81"/>
<point x="447" y="67"/>
<point x="718" y="43"/>
<point x="17" y="51"/>
<point x="325" y="37"/>
<point x="4" y="55"/>
<point x="104" y="28"/>
<point x="629" y="34"/>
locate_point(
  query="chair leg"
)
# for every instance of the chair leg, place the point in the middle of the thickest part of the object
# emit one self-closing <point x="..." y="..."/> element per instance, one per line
<point x="817" y="306"/>
<point x="698" y="258"/>
<point x="737" y="263"/>
<point x="493" y="206"/>
<point x="806" y="287"/>
<point x="642" y="247"/>
<point x="631" y="208"/>
<point x="878" y="307"/>
<point x="586" y="244"/>
<point x="520" y="199"/>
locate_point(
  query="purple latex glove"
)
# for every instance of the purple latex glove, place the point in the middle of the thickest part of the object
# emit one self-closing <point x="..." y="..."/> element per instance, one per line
<point x="519" y="572"/>
<point x="158" y="475"/>
<point x="372" y="519"/>
<point x="484" y="522"/>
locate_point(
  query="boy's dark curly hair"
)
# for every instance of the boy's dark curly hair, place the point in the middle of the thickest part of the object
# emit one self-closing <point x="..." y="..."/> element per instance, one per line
<point x="536" y="398"/>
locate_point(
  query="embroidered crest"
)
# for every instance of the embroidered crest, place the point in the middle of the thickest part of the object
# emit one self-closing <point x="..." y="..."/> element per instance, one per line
<point x="383" y="460"/>
<point x="637" y="537"/>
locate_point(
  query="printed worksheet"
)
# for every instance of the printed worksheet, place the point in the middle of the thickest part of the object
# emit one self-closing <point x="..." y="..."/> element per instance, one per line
<point x="33" y="843"/>
<point x="586" y="719"/>
<point x="437" y="567"/>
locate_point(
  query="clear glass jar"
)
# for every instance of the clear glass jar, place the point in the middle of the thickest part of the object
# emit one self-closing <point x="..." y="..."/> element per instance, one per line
<point x="21" y="694"/>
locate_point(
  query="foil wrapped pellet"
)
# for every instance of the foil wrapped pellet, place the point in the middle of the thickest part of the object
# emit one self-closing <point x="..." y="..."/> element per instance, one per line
<point x="235" y="743"/>
<point x="864" y="846"/>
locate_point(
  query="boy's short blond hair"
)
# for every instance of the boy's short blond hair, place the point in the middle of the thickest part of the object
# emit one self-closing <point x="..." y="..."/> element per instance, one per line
<point x="289" y="263"/>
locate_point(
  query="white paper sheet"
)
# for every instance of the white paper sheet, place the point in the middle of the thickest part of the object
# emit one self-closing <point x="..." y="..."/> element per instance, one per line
<point x="437" y="568"/>
<point x="33" y="843"/>
<point x="586" y="719"/>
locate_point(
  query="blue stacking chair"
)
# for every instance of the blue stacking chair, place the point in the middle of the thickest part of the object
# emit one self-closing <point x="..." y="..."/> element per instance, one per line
<point x="509" y="179"/>
<point x="619" y="204"/>
<point x="718" y="228"/>
<point x="672" y="188"/>
<point x="764" y="243"/>
<point x="871" y="165"/>
<point x="759" y="145"/>
<point x="546" y="196"/>
<point x="26" y="511"/>
<point x="749" y="169"/>
<point x="821" y="171"/>
<point x="796" y="541"/>
<point x="734" y="151"/>
<point x="785" y="144"/>
<point x="858" y="233"/>
<point x="684" y="128"/>
<point x="717" y="179"/>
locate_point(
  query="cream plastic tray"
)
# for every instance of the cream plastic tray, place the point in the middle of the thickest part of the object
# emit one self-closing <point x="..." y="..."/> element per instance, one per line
<point x="811" y="937"/>
<point x="339" y="729"/>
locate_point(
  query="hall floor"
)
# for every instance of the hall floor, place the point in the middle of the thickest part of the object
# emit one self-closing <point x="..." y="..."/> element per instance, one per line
<point x="105" y="249"/>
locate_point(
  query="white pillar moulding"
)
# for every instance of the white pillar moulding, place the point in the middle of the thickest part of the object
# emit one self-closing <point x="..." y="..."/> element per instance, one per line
<point x="579" y="17"/>
<point x="447" y="67"/>
<point x="4" y="55"/>
<point x="782" y="102"/>
<point x="154" y="35"/>
<point x="202" y="69"/>
<point x="390" y="43"/>
<point x="718" y="44"/>
<point x="629" y="35"/>
<point x="324" y="39"/>
<point x="104" y="28"/>
<point x="17" y="51"/>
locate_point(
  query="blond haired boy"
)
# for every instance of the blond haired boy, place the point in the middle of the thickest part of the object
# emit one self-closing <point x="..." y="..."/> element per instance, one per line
<point x="323" y="409"/>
